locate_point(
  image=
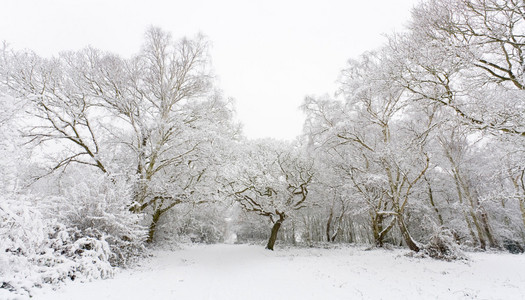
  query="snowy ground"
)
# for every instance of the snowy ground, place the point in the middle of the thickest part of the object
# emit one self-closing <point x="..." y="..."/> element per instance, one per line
<point x="251" y="272"/>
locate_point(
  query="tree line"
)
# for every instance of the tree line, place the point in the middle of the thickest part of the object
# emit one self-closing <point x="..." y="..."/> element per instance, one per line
<point x="421" y="146"/>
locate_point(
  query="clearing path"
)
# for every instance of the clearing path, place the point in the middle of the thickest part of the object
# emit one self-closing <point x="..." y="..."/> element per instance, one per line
<point x="251" y="272"/>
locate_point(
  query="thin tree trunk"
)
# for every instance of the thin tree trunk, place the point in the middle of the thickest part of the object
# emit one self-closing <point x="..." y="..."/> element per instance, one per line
<point x="474" y="207"/>
<point x="519" y="185"/>
<point x="488" y="232"/>
<point x="431" y="199"/>
<point x="522" y="208"/>
<point x="463" y="189"/>
<point x="482" y="243"/>
<point x="412" y="245"/>
<point x="328" y="225"/>
<point x="469" y="226"/>
<point x="293" y="233"/>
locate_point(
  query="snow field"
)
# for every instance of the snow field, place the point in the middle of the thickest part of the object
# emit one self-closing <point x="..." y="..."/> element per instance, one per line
<point x="251" y="272"/>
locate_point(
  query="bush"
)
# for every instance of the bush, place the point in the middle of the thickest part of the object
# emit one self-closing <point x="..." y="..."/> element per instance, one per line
<point x="35" y="251"/>
<point x="513" y="246"/>
<point x="97" y="208"/>
<point x="80" y="236"/>
<point x="442" y="246"/>
<point x="22" y="234"/>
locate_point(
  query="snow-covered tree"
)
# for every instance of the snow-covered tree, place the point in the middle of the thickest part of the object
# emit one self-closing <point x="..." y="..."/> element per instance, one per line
<point x="271" y="179"/>
<point x="155" y="117"/>
<point x="470" y="54"/>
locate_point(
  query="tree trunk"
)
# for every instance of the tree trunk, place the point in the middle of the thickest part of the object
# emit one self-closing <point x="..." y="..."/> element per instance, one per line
<point x="141" y="188"/>
<point x="488" y="232"/>
<point x="482" y="243"/>
<point x="522" y="207"/>
<point x="329" y="225"/>
<point x="412" y="245"/>
<point x="470" y="229"/>
<point x="293" y="233"/>
<point x="275" y="230"/>
<point x="153" y="225"/>
<point x="377" y="226"/>
<point x="431" y="199"/>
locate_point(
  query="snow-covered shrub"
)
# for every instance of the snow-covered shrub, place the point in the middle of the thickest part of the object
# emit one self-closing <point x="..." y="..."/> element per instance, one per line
<point x="79" y="235"/>
<point x="35" y="250"/>
<point x="22" y="233"/>
<point x="70" y="255"/>
<point x="97" y="208"/>
<point x="442" y="245"/>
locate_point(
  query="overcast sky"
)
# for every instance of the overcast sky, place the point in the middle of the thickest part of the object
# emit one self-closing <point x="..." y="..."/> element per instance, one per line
<point x="268" y="55"/>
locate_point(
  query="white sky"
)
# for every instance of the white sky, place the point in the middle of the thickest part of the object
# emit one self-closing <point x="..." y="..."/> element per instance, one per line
<point x="268" y="55"/>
